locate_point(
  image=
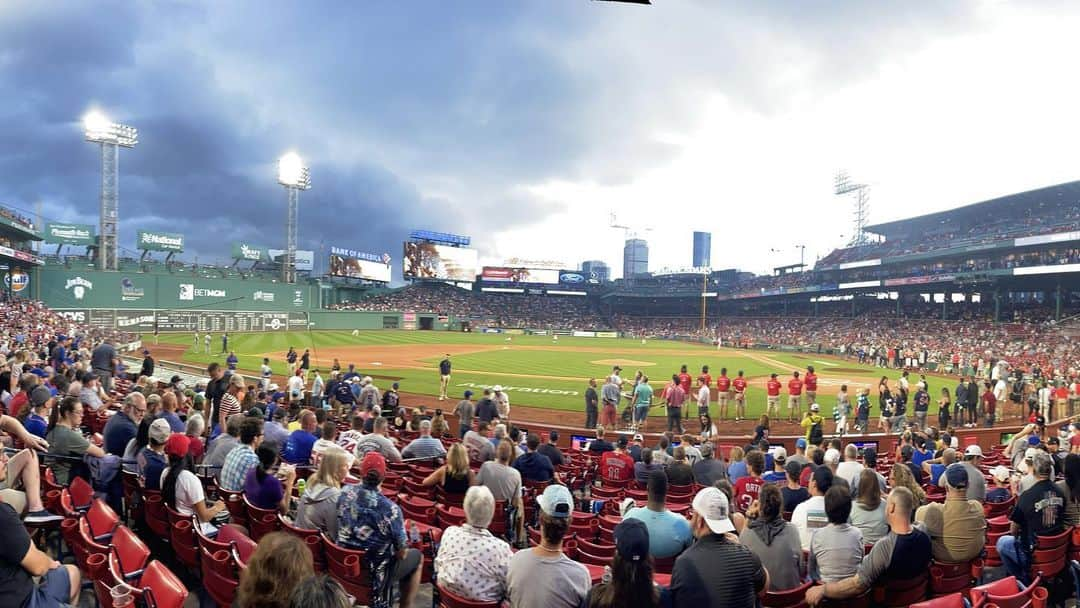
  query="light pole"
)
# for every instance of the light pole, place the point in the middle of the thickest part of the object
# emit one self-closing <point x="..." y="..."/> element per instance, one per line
<point x="111" y="136"/>
<point x="295" y="177"/>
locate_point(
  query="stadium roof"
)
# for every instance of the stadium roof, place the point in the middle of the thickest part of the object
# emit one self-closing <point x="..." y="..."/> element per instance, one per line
<point x="1052" y="196"/>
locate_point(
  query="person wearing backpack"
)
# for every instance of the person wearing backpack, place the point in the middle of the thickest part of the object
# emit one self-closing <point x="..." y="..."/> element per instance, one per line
<point x="813" y="422"/>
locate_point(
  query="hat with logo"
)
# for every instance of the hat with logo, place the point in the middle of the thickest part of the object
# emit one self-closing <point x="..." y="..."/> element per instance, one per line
<point x="632" y="540"/>
<point x="177" y="445"/>
<point x="160" y="431"/>
<point x="973" y="450"/>
<point x="1040" y="420"/>
<point x="556" y="501"/>
<point x="814" y="407"/>
<point x="800" y="442"/>
<point x="39" y="396"/>
<point x="373" y="461"/>
<point x="622" y="441"/>
<point x="956" y="477"/>
<point x="497" y="388"/>
<point x="638" y="437"/>
<point x="780" y="455"/>
<point x="1029" y="454"/>
<point x="712" y="505"/>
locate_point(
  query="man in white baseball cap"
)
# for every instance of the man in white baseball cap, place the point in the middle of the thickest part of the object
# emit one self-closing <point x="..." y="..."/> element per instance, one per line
<point x="544" y="575"/>
<point x="742" y="576"/>
<point x="976" y="489"/>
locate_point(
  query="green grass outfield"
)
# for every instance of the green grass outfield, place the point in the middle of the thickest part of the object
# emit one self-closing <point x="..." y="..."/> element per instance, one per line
<point x="554" y="377"/>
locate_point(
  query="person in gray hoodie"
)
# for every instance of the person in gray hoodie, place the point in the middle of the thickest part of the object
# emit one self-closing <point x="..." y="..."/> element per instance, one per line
<point x="318" y="504"/>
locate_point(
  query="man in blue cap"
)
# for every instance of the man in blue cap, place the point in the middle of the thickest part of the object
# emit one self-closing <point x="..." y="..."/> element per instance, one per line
<point x="957" y="528"/>
<point x="543" y="576"/>
<point x="800" y="453"/>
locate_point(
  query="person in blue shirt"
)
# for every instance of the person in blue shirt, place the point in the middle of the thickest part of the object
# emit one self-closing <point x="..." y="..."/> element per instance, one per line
<point x="779" y="474"/>
<point x="232" y="361"/>
<point x="424" y="446"/>
<point x="736" y="466"/>
<point x="533" y="465"/>
<point x="41" y="402"/>
<point x="168" y="412"/>
<point x="298" y="446"/>
<point x="669" y="533"/>
<point x="122" y="427"/>
<point x="344" y="395"/>
<point x="152" y="460"/>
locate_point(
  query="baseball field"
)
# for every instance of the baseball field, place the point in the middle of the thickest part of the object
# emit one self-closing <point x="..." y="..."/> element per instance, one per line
<point x="536" y="371"/>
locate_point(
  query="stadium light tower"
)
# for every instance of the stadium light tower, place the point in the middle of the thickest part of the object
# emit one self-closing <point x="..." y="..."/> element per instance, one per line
<point x="843" y="187"/>
<point x="295" y="177"/>
<point x="111" y="136"/>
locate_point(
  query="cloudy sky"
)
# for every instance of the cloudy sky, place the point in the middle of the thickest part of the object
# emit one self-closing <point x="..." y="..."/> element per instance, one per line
<point x="525" y="124"/>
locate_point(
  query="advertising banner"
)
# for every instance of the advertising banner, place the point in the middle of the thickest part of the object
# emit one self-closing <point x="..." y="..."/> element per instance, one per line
<point x="160" y="241"/>
<point x="251" y="253"/>
<point x="69" y="234"/>
<point x="503" y="274"/>
<point x="305" y="258"/>
<point x="17" y="281"/>
<point x="366" y="266"/>
<point x="572" y="277"/>
<point x="431" y="261"/>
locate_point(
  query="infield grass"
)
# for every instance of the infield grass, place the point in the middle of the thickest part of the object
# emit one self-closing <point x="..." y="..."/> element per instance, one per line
<point x="535" y="370"/>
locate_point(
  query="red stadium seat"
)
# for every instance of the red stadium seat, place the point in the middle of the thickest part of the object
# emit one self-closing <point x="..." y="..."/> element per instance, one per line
<point x="260" y="521"/>
<point x="129" y="553"/>
<point x="346" y="566"/>
<point x="184" y="544"/>
<point x="948" y="578"/>
<point x="448" y="599"/>
<point x="952" y="600"/>
<point x="157" y="518"/>
<point x="244" y="545"/>
<point x="449" y="516"/>
<point x="234" y="502"/>
<point x="311" y="538"/>
<point x="219" y="576"/>
<point x="102" y="520"/>
<point x="998" y="509"/>
<point x="789" y="598"/>
<point x="82" y="494"/>
<point x="1034" y="596"/>
<point x="160" y="587"/>
<point x="899" y="593"/>
<point x="1048" y="558"/>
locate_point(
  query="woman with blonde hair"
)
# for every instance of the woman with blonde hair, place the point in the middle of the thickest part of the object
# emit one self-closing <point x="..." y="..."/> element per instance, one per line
<point x="900" y="476"/>
<point x="455" y="476"/>
<point x="279" y="564"/>
<point x="318" y="504"/>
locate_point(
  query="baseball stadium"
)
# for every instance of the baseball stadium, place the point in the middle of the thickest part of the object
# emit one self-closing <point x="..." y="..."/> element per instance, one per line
<point x="394" y="407"/>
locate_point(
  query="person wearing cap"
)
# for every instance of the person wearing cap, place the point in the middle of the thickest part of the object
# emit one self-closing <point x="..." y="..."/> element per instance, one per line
<point x="103" y="362"/>
<point x="242" y="459"/>
<point x="147" y="364"/>
<point x="792" y="492"/>
<point x="1039" y="511"/>
<point x="957" y="528"/>
<point x="91" y="394"/>
<point x="637" y="445"/>
<point x="778" y="474"/>
<point x="543" y="576"/>
<point x="41" y="403"/>
<point x="610" y="395"/>
<point x="1026" y="468"/>
<point x="670" y="532"/>
<point x="810" y="514"/>
<point x="1021" y="442"/>
<point x="151" y="459"/>
<point x="716" y="570"/>
<point x="813" y="420"/>
<point x="444" y="376"/>
<point x="181" y="489"/>
<point x="973" y="456"/>
<point x="369" y="394"/>
<point x="486" y="410"/>
<point x="471" y="561"/>
<point x="592" y="404"/>
<point x="1002" y="490"/>
<point x="903" y="554"/>
<point x="631" y="572"/>
<point x="708" y="470"/>
<point x="276" y="432"/>
<point x="832" y="459"/>
<point x="465" y="410"/>
<point x="369" y="521"/>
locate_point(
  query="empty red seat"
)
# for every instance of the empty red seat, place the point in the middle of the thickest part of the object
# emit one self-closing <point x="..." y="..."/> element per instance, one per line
<point x="219" y="576"/>
<point x="160" y="587"/>
<point x="82" y="494"/>
<point x="788" y="598"/>
<point x="129" y="553"/>
<point x="346" y="566"/>
<point x="102" y="520"/>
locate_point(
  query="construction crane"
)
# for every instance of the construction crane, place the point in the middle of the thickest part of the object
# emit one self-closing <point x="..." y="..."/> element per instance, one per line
<point x="844" y="186"/>
<point x="628" y="232"/>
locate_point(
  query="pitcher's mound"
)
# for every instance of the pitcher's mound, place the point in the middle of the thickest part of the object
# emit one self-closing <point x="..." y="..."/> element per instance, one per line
<point x="622" y="362"/>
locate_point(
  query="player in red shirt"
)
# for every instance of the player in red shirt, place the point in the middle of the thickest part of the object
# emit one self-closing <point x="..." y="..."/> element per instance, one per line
<point x="989" y="402"/>
<point x="747" y="488"/>
<point x="810" y="384"/>
<point x="794" y="402"/>
<point x="772" y="389"/>
<point x="723" y="392"/>
<point x="684" y="380"/>
<point x="617" y="465"/>
<point x="739" y="384"/>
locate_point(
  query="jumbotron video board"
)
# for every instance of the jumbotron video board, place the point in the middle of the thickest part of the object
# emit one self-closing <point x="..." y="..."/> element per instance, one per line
<point x="353" y="264"/>
<point x="440" y="262"/>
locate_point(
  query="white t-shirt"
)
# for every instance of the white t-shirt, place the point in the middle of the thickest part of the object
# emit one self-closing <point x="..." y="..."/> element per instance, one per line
<point x="808" y="517"/>
<point x="999" y="390"/>
<point x="850" y="471"/>
<point x="703" y="396"/>
<point x="296" y="385"/>
<point x="189" y="491"/>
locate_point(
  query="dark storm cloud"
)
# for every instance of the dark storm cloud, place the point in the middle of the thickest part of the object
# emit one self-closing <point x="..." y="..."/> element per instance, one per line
<point x="412" y="115"/>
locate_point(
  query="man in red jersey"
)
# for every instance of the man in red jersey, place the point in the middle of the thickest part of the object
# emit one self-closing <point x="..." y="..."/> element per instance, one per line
<point x="617" y="465"/>
<point x="772" y="389"/>
<point x="684" y="380"/>
<point x="723" y="392"/>
<point x="794" y="402"/>
<point x="747" y="488"/>
<point x="739" y="386"/>
<point x="810" y="384"/>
